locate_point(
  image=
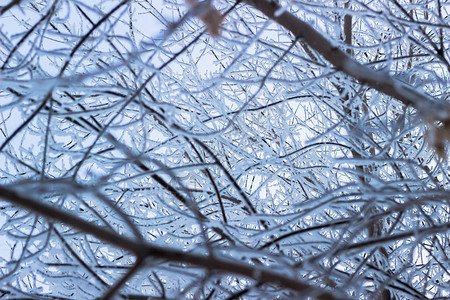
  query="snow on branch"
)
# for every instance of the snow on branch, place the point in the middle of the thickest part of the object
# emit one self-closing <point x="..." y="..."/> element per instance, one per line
<point x="429" y="109"/>
<point x="144" y="250"/>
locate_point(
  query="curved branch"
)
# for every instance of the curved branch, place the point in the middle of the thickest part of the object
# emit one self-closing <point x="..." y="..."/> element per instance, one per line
<point x="144" y="250"/>
<point x="429" y="109"/>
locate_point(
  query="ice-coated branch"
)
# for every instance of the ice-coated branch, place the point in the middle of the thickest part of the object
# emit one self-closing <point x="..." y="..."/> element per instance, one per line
<point x="145" y="250"/>
<point x="429" y="109"/>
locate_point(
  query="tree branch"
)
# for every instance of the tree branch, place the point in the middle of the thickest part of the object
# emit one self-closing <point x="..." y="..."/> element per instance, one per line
<point x="144" y="250"/>
<point x="429" y="109"/>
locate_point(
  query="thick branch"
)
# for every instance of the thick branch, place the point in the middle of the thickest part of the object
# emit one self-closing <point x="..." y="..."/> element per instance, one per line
<point x="144" y="250"/>
<point x="381" y="81"/>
